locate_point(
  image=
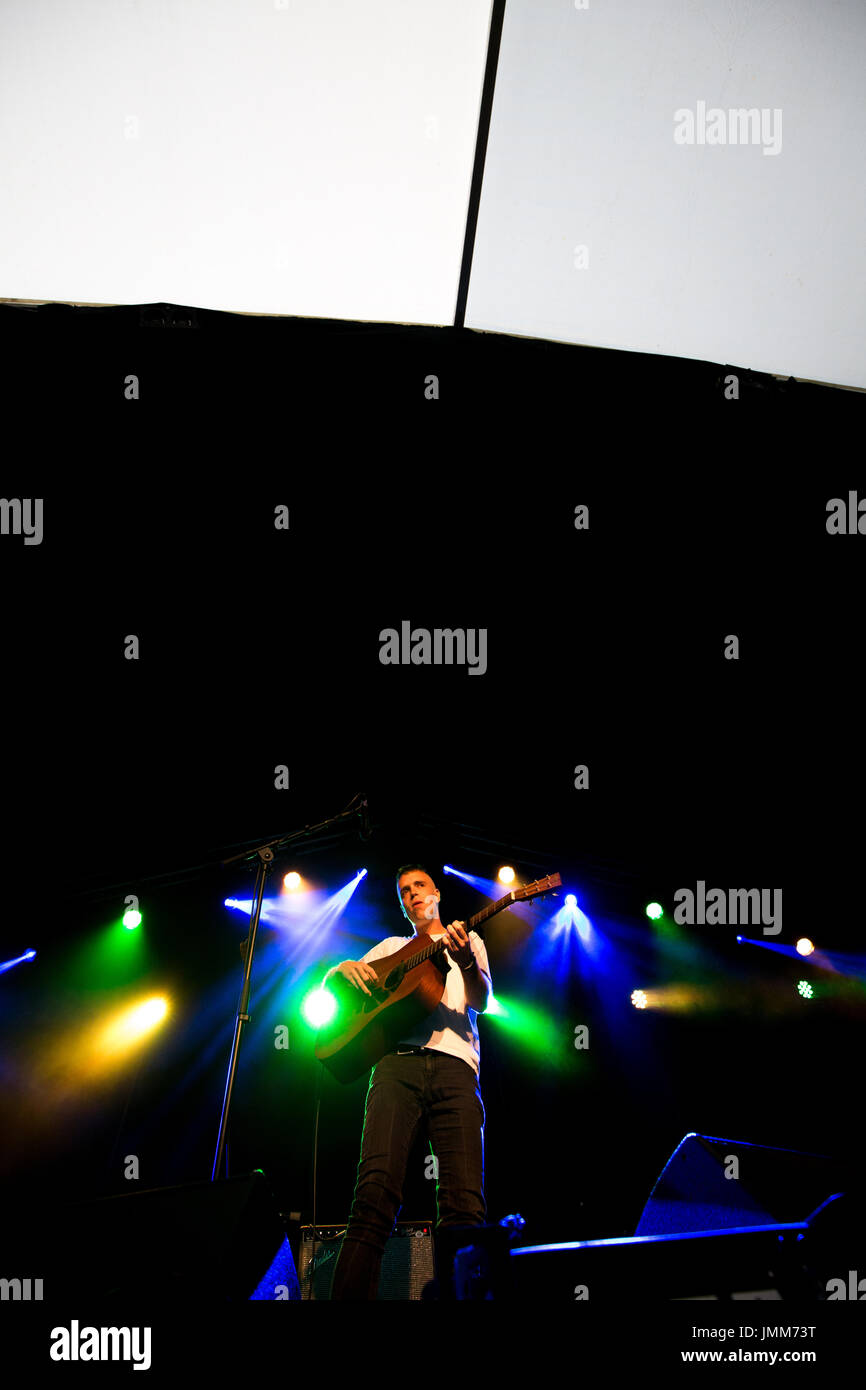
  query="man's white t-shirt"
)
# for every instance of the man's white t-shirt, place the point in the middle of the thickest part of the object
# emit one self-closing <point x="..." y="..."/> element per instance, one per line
<point x="452" y="1026"/>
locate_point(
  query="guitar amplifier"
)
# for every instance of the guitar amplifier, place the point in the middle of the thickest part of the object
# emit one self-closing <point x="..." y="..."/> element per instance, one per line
<point x="407" y="1262"/>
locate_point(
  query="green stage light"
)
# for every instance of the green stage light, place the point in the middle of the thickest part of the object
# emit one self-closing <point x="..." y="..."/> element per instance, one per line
<point x="131" y="918"/>
<point x="318" y="1008"/>
<point x="550" y="1041"/>
<point x="654" y="911"/>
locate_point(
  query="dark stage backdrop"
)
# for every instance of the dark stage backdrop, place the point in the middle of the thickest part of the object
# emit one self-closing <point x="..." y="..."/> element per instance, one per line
<point x="607" y="647"/>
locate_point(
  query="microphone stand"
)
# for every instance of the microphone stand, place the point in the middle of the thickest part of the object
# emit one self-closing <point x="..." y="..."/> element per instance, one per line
<point x="265" y="855"/>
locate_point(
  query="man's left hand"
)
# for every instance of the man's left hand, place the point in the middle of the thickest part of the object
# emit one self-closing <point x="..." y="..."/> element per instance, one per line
<point x="459" y="945"/>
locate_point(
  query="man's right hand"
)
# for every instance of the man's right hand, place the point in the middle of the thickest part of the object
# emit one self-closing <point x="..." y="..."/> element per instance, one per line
<point x="356" y="972"/>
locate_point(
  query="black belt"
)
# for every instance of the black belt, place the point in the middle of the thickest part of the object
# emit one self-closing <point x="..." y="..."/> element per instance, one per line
<point x="402" y="1049"/>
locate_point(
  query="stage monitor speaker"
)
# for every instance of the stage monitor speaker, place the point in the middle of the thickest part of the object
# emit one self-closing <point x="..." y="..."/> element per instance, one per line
<point x="766" y="1186"/>
<point x="813" y="1261"/>
<point x="761" y="1263"/>
<point x="407" y="1261"/>
<point x="209" y="1242"/>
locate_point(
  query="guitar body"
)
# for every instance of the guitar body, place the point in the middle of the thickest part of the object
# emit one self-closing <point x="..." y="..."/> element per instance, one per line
<point x="365" y="1027"/>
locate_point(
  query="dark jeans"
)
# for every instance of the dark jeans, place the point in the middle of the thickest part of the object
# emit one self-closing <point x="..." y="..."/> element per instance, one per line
<point x="437" y="1090"/>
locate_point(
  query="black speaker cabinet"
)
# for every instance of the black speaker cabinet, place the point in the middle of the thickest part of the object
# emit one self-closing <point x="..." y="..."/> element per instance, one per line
<point x="407" y="1262"/>
<point x="208" y="1242"/>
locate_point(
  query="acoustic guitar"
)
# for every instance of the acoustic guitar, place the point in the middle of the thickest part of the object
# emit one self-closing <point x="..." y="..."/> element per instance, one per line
<point x="409" y="985"/>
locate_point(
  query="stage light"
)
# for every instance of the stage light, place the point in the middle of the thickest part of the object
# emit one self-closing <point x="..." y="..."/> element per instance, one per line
<point x="318" y="1007"/>
<point x="447" y="869"/>
<point x="638" y="998"/>
<point x="654" y="911"/>
<point x="16" y="960"/>
<point x="130" y="1025"/>
<point x="805" y="989"/>
<point x="570" y="900"/>
<point x="506" y="874"/>
<point x="532" y="1029"/>
<point x="292" y="881"/>
<point x="131" y="918"/>
<point x="805" y="946"/>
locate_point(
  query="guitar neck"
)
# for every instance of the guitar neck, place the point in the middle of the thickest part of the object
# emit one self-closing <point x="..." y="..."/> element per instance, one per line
<point x="486" y="912"/>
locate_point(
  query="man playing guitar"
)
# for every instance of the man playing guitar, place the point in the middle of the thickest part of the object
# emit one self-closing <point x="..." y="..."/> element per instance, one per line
<point x="431" y="1079"/>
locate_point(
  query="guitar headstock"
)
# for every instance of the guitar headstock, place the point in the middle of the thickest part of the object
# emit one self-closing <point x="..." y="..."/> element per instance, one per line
<point x="536" y="889"/>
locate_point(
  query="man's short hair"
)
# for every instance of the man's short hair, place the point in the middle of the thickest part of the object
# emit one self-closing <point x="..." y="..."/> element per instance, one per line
<point x="408" y="869"/>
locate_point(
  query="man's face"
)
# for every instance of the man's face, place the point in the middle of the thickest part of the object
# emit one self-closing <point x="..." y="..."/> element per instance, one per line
<point x="419" y="898"/>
